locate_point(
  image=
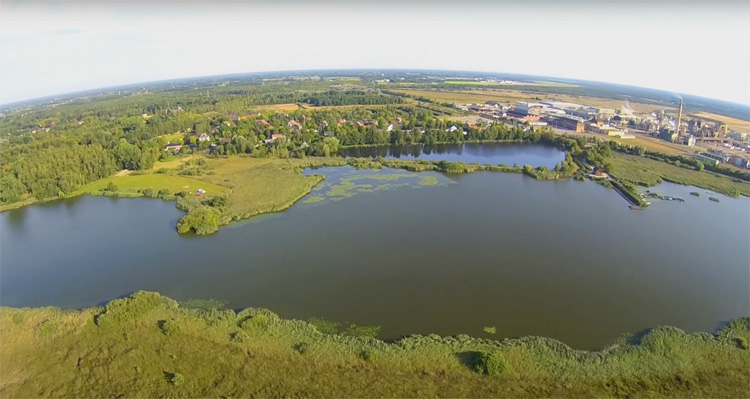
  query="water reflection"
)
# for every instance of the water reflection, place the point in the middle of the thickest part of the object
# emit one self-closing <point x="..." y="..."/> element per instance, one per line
<point x="507" y="154"/>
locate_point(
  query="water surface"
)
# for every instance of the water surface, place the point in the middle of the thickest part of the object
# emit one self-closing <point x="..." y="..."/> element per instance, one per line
<point x="494" y="153"/>
<point x="562" y="259"/>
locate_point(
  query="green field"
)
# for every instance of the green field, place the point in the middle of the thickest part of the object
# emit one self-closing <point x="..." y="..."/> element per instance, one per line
<point x="156" y="182"/>
<point x="648" y="172"/>
<point x="259" y="185"/>
<point x="147" y="345"/>
<point x="172" y="138"/>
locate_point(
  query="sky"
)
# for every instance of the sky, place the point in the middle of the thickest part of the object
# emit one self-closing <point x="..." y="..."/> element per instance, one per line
<point x="688" y="46"/>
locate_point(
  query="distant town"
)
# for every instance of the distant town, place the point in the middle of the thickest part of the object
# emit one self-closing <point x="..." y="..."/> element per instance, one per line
<point x="728" y="146"/>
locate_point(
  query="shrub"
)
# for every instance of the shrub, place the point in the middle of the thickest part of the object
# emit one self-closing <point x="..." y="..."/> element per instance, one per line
<point x="742" y="343"/>
<point x="164" y="192"/>
<point x="301" y="347"/>
<point x="490" y="330"/>
<point x="112" y="187"/>
<point x="18" y="318"/>
<point x="239" y="336"/>
<point x="258" y="321"/>
<point x="368" y="355"/>
<point x="46" y="327"/>
<point x="490" y="363"/>
<point x="169" y="327"/>
<point x="176" y="379"/>
<point x="130" y="308"/>
<point x="147" y="192"/>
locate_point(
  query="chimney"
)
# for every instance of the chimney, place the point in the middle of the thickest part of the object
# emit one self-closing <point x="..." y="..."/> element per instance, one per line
<point x="679" y="119"/>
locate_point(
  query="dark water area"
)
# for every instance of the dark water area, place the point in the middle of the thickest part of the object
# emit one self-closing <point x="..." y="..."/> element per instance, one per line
<point x="428" y="253"/>
<point x="495" y="153"/>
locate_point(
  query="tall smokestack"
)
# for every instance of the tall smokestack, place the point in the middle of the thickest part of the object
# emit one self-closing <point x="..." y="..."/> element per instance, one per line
<point x="679" y="119"/>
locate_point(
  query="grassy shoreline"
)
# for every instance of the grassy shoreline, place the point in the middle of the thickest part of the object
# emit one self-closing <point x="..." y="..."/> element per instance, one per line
<point x="282" y="184"/>
<point x="139" y="345"/>
<point x="648" y="173"/>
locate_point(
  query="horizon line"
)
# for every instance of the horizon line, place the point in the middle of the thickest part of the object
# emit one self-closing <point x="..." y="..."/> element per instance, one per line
<point x="102" y="89"/>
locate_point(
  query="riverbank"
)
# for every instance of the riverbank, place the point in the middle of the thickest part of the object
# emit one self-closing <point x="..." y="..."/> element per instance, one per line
<point x="148" y="345"/>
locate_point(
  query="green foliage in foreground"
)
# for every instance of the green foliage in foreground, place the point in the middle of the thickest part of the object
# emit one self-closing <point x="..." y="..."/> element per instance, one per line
<point x="490" y="363"/>
<point x="147" y="345"/>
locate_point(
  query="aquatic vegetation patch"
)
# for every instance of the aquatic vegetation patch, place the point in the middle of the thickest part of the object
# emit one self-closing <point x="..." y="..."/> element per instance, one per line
<point x="346" y="183"/>
<point x="314" y="199"/>
<point x="429" y="181"/>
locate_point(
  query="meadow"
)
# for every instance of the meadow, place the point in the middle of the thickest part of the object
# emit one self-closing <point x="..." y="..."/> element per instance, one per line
<point x="147" y="345"/>
<point x="258" y="185"/>
<point x="155" y="182"/>
<point x="648" y="172"/>
<point x="653" y="144"/>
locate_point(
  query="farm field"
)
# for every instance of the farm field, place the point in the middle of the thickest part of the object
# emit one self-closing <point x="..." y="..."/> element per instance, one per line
<point x="536" y="83"/>
<point x="732" y="123"/>
<point x="511" y="96"/>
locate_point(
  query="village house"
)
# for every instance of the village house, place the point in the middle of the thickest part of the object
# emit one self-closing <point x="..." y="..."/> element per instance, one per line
<point x="204" y="137"/>
<point x="294" y="125"/>
<point x="262" y="122"/>
<point x="341" y="121"/>
<point x="173" y="147"/>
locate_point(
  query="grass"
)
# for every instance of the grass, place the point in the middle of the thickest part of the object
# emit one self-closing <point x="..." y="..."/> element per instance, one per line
<point x="254" y="353"/>
<point x="656" y="145"/>
<point x="258" y="185"/>
<point x="172" y="163"/>
<point x="648" y="172"/>
<point x="156" y="182"/>
<point x="173" y="138"/>
<point x="308" y="107"/>
<point x="277" y="107"/>
<point x="732" y="123"/>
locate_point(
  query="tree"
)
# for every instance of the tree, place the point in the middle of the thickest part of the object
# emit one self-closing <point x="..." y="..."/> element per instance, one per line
<point x="202" y="220"/>
<point x="112" y="187"/>
<point x="128" y="156"/>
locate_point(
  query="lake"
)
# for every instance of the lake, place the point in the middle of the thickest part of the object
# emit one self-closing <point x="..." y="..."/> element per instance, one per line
<point x="412" y="252"/>
<point x="494" y="153"/>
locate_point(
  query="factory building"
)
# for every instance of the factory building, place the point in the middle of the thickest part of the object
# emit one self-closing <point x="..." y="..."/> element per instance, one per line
<point x="568" y="122"/>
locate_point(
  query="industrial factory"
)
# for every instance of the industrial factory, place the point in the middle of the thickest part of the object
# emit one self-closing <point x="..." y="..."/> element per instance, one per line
<point x="625" y="123"/>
